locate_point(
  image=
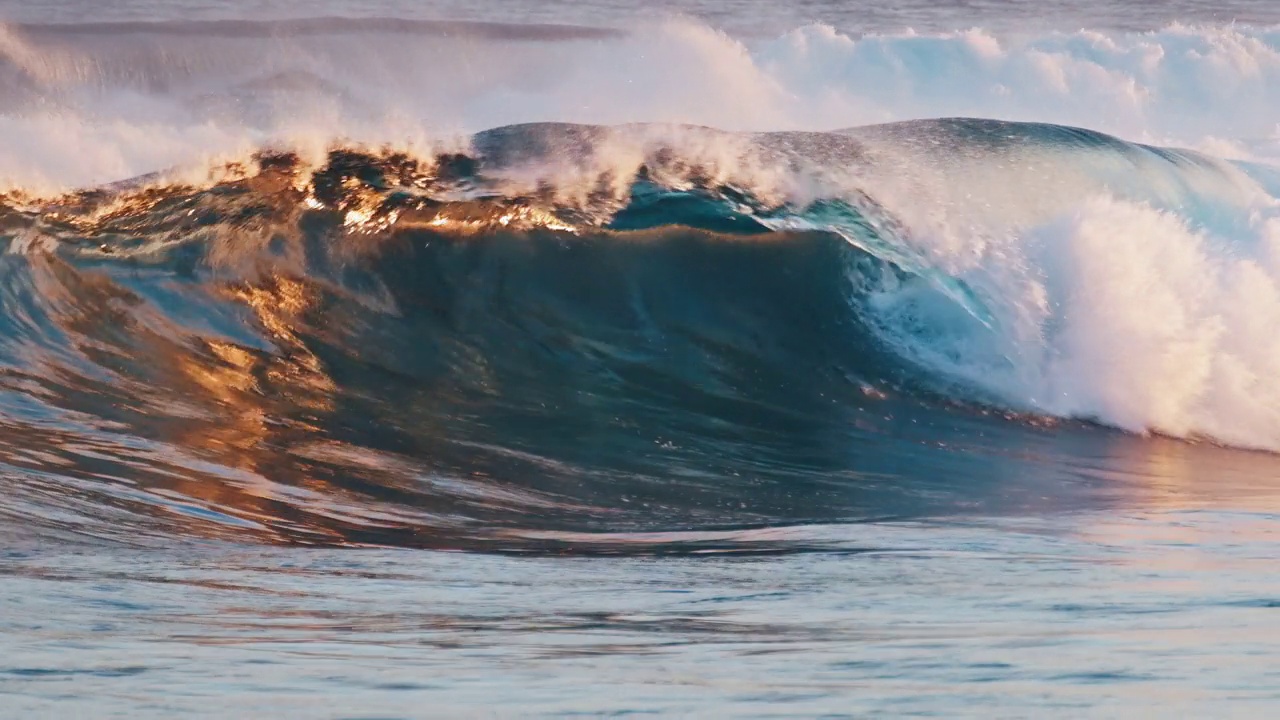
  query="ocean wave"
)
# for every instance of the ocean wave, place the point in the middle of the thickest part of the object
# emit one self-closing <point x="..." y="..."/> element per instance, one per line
<point x="1044" y="269"/>
<point x="618" y="331"/>
<point x="275" y="287"/>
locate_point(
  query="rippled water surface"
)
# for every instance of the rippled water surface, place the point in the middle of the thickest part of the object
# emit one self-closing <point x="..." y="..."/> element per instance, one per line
<point x="1115" y="614"/>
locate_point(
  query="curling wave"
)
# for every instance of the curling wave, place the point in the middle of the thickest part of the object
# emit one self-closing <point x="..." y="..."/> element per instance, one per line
<point x="557" y="331"/>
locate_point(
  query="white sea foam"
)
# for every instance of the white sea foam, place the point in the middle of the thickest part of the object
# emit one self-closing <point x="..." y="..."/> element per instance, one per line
<point x="1135" y="289"/>
<point x="1118" y="312"/>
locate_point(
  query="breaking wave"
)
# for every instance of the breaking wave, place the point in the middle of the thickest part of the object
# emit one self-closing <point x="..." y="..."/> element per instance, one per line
<point x="568" y="328"/>
<point x="264" y="279"/>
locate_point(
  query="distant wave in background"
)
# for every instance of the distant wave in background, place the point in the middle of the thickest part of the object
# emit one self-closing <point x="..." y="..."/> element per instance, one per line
<point x="91" y="103"/>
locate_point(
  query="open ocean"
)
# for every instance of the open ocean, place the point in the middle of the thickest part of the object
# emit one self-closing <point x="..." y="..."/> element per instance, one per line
<point x="808" y="358"/>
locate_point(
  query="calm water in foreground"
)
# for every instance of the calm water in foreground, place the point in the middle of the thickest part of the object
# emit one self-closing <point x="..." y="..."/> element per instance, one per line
<point x="1139" y="613"/>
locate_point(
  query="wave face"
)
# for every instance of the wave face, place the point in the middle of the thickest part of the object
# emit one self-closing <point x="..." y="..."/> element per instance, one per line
<point x="584" y="329"/>
<point x="332" y="281"/>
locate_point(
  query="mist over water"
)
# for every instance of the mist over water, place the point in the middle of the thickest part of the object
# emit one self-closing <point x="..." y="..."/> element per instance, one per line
<point x="93" y="103"/>
<point x="760" y="358"/>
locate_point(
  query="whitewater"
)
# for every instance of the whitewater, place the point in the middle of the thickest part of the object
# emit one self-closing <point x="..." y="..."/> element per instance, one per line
<point x="843" y="358"/>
